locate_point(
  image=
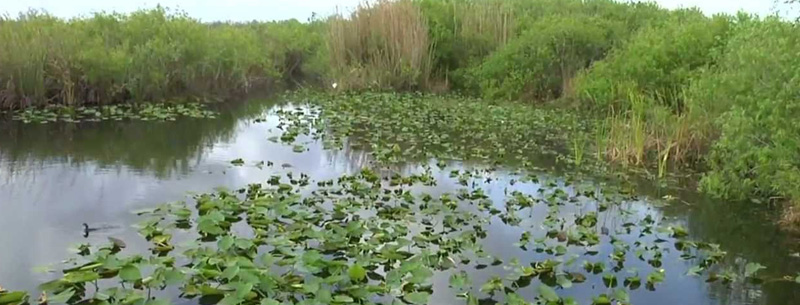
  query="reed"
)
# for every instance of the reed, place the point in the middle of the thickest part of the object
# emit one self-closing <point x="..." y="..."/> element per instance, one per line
<point x="383" y="45"/>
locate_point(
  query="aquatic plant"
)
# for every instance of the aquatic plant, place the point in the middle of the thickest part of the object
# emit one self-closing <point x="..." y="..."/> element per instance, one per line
<point x="396" y="127"/>
<point x="292" y="240"/>
<point x="143" y="112"/>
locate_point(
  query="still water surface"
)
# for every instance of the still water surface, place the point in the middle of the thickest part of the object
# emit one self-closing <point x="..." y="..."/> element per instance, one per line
<point x="55" y="177"/>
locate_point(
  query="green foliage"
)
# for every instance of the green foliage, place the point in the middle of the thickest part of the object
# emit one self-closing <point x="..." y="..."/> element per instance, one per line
<point x="144" y="112"/>
<point x="384" y="45"/>
<point x="465" y="32"/>
<point x="672" y="84"/>
<point x="455" y="127"/>
<point x="298" y="51"/>
<point x="757" y="152"/>
<point x="540" y="63"/>
<point x="658" y="62"/>
<point x="148" y="55"/>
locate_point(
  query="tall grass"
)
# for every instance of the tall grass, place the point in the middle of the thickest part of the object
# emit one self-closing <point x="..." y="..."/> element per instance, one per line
<point x="382" y="45"/>
<point x="464" y="32"/>
<point x="646" y="134"/>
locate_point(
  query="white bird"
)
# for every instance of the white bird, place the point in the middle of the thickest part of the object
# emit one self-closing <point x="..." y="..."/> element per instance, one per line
<point x="334" y="85"/>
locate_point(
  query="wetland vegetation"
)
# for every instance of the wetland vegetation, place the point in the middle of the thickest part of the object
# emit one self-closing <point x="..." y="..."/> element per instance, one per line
<point x="507" y="145"/>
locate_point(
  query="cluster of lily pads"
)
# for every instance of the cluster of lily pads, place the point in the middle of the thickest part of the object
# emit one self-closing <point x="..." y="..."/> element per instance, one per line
<point x="397" y="127"/>
<point x="143" y="112"/>
<point x="368" y="238"/>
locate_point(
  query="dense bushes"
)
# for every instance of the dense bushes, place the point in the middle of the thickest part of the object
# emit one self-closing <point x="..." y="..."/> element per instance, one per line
<point x="758" y="152"/>
<point x="657" y="62"/>
<point x="541" y="63"/>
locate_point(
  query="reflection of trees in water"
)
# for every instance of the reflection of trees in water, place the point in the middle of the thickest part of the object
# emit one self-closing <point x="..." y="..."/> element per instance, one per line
<point x="747" y="231"/>
<point x="163" y="148"/>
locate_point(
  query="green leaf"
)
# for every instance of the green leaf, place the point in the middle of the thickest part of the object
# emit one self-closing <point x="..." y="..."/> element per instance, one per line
<point x="459" y="281"/>
<point x="357" y="273"/>
<point x="610" y="280"/>
<point x="694" y="271"/>
<point x="515" y="299"/>
<point x="563" y="281"/>
<point x="548" y="293"/>
<point x="62" y="297"/>
<point x="225" y="243"/>
<point x="622" y="295"/>
<point x="570" y="301"/>
<point x="14" y="297"/>
<point x="420" y="298"/>
<point x="242" y="243"/>
<point x="81" y="277"/>
<point x="130" y="273"/>
<point x="342" y="298"/>
<point x="601" y="300"/>
<point x="173" y="277"/>
<point x="230" y="272"/>
<point x="269" y="302"/>
<point x="752" y="268"/>
<point x="243" y="289"/>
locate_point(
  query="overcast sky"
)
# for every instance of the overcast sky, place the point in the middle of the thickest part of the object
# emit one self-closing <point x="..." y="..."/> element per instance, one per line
<point x="245" y="10"/>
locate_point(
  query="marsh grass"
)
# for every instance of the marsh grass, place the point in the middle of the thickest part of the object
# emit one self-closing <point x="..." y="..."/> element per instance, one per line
<point x="149" y="55"/>
<point x="647" y="134"/>
<point x="382" y="45"/>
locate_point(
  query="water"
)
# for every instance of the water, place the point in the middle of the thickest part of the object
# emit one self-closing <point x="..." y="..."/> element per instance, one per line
<point x="55" y="177"/>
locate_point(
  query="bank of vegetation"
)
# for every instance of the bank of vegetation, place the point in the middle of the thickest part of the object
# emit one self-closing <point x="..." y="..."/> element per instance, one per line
<point x="667" y="88"/>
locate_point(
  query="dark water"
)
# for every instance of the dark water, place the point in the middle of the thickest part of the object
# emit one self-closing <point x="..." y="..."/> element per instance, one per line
<point x="55" y="177"/>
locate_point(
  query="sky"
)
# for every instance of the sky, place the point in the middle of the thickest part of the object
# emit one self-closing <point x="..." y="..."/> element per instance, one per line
<point x="246" y="10"/>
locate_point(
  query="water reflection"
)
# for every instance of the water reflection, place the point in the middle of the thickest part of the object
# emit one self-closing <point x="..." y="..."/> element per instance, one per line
<point x="55" y="177"/>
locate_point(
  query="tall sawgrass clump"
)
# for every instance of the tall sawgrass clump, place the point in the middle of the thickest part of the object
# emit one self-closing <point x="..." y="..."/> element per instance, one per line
<point x="382" y="45"/>
<point x="644" y="134"/>
<point x="463" y="33"/>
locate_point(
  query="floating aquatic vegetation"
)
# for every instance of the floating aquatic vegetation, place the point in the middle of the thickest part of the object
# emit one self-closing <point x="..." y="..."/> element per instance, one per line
<point x="143" y="112"/>
<point x="370" y="238"/>
<point x="400" y="127"/>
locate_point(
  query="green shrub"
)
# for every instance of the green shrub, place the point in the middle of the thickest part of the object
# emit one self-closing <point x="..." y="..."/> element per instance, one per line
<point x="657" y="62"/>
<point x="297" y="50"/>
<point x="758" y="152"/>
<point x="465" y="32"/>
<point x="541" y="63"/>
